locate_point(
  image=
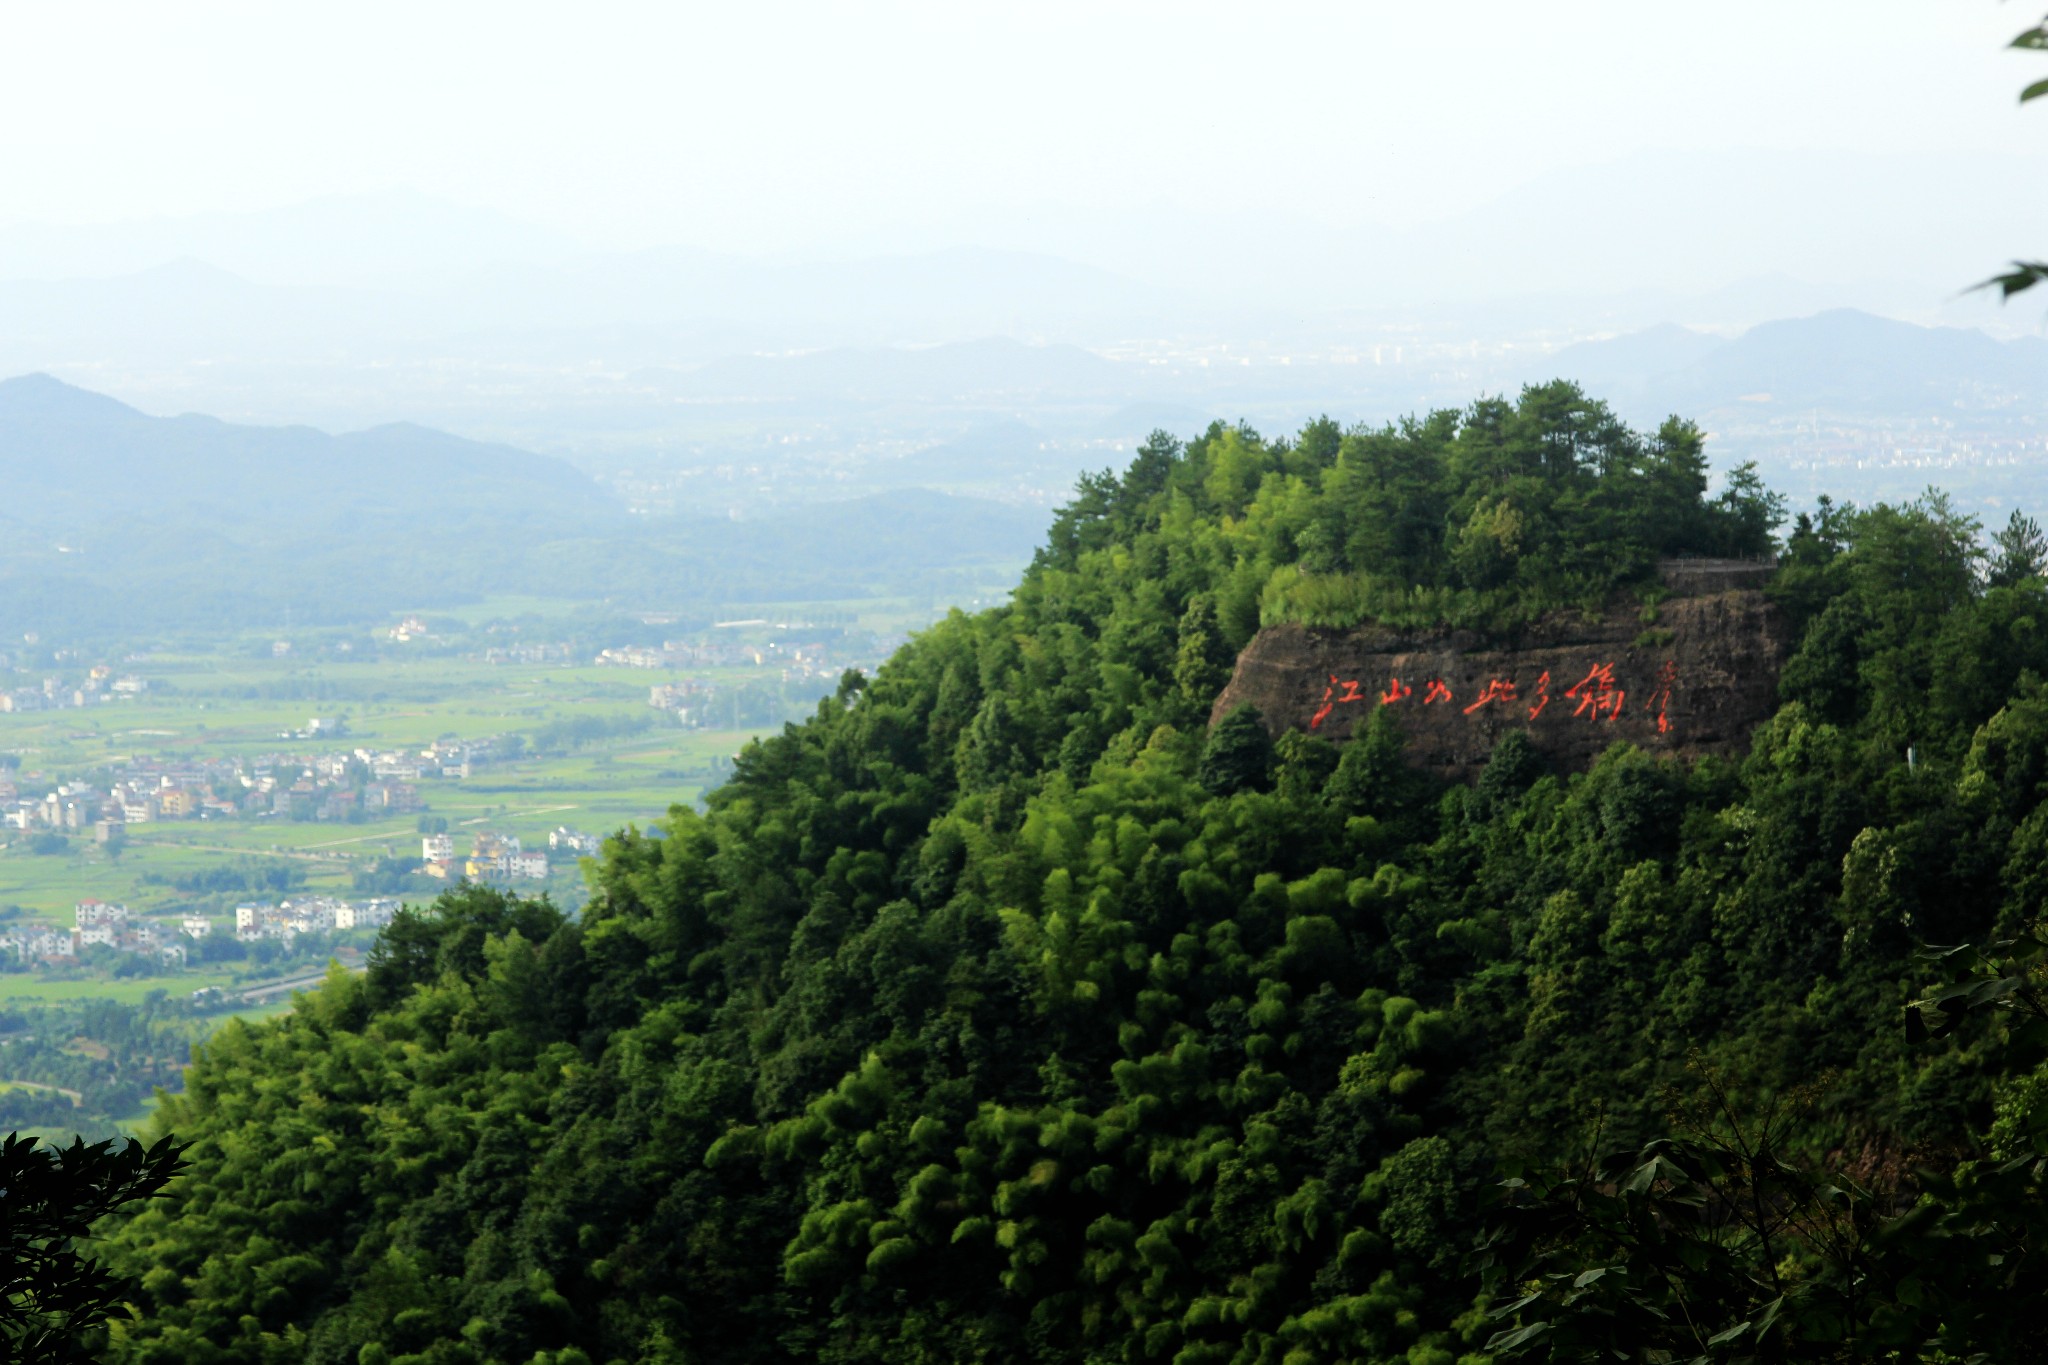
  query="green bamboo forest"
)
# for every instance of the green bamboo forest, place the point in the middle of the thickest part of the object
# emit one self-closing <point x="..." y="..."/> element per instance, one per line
<point x="1005" y="1011"/>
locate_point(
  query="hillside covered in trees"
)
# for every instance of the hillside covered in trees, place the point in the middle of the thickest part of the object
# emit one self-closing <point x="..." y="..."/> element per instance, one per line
<point x="1002" y="1011"/>
<point x="117" y="524"/>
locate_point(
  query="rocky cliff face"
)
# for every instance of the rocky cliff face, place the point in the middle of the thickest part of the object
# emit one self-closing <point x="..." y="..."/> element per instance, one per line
<point x="1698" y="682"/>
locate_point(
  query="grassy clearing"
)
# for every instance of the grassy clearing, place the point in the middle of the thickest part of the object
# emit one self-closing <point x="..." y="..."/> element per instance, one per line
<point x="24" y="988"/>
<point x="257" y="1014"/>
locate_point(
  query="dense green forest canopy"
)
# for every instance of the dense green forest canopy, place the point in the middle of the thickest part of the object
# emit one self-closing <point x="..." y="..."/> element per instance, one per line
<point x="81" y="1067"/>
<point x="1001" y="1012"/>
<point x="1480" y="517"/>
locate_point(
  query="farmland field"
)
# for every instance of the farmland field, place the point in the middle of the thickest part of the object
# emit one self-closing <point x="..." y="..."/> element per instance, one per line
<point x="252" y="701"/>
<point x="600" y="788"/>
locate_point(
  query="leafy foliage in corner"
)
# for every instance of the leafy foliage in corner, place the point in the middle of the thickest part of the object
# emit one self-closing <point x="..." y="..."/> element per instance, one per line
<point x="2024" y="275"/>
<point x="55" y="1301"/>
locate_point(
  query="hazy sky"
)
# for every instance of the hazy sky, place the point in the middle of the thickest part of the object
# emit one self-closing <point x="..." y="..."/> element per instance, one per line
<point x="1281" y="151"/>
<point x="789" y="125"/>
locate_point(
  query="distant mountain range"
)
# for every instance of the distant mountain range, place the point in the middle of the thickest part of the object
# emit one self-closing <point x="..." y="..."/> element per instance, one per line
<point x="112" y="520"/>
<point x="1841" y="360"/>
<point x="69" y="457"/>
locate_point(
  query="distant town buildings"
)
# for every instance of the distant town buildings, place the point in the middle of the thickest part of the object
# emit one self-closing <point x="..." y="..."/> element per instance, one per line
<point x="566" y="840"/>
<point x="492" y="858"/>
<point x="40" y="945"/>
<point x="684" y="701"/>
<point x="98" y="687"/>
<point x="340" y="786"/>
<point x="287" y="919"/>
<point x="795" y="660"/>
<point x="95" y="924"/>
<point x="530" y="654"/>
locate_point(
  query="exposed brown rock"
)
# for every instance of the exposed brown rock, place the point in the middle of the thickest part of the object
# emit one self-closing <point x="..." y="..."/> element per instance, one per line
<point x="1573" y="685"/>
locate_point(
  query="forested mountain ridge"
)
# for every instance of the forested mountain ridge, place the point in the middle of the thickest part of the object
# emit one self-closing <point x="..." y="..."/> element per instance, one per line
<point x="1003" y="1012"/>
<point x="75" y="458"/>
<point x="118" y="523"/>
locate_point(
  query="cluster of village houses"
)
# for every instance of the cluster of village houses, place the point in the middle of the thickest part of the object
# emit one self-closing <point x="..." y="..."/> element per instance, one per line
<point x="795" y="662"/>
<point x="684" y="700"/>
<point x="112" y="925"/>
<point x="529" y="654"/>
<point x="99" y="687"/>
<point x="287" y="919"/>
<point x="332" y="786"/>
<point x="168" y="941"/>
<point x="500" y="857"/>
<point x="716" y="654"/>
<point x="494" y="857"/>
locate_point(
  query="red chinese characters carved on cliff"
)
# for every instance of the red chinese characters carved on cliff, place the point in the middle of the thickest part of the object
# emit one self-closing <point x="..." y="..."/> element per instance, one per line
<point x="1667" y="678"/>
<point x="1597" y="696"/>
<point x="1499" y="689"/>
<point x="1332" y="700"/>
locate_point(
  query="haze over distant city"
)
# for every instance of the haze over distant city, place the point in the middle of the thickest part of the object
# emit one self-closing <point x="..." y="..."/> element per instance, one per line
<point x="728" y="259"/>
